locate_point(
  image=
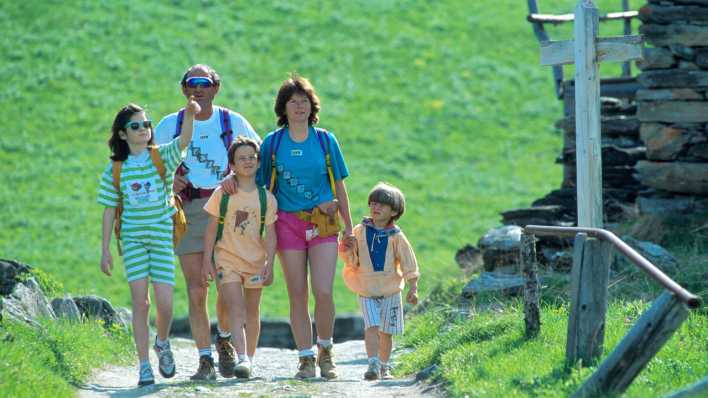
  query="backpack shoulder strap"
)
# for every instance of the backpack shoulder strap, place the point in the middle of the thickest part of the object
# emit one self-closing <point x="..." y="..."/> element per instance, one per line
<point x="157" y="161"/>
<point x="328" y="159"/>
<point x="223" y="206"/>
<point x="115" y="173"/>
<point x="274" y="145"/>
<point x="180" y="119"/>
<point x="264" y="206"/>
<point x="227" y="133"/>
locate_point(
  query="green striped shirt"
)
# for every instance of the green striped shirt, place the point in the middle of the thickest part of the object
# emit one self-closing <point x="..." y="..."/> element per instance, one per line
<point x="146" y="200"/>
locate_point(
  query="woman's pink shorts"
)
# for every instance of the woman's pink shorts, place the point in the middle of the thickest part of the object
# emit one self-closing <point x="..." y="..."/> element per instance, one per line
<point x="295" y="234"/>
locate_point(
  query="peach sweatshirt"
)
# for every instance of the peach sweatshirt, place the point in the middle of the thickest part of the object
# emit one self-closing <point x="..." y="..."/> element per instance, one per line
<point x="400" y="265"/>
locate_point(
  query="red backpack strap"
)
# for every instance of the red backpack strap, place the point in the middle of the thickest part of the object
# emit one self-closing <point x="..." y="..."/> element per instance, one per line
<point x="180" y="119"/>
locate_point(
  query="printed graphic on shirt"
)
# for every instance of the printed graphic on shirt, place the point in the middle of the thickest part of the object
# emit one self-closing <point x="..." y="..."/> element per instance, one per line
<point x="301" y="189"/>
<point x="242" y="221"/>
<point x="143" y="192"/>
<point x="393" y="317"/>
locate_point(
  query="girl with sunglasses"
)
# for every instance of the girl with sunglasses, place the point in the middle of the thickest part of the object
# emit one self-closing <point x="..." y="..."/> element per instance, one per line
<point x="145" y="224"/>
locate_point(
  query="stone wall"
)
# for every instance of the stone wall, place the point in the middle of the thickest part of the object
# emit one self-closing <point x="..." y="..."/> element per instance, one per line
<point x="673" y="106"/>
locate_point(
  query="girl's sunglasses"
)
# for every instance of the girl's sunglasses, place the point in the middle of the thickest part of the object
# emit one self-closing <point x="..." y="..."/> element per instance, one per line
<point x="136" y="125"/>
<point x="199" y="81"/>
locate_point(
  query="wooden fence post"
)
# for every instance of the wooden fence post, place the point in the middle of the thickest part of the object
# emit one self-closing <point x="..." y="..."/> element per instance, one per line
<point x="589" y="279"/>
<point x="532" y="315"/>
<point x="652" y="330"/>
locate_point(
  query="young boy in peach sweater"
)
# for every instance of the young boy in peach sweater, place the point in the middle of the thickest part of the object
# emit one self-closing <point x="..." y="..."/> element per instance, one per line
<point x="378" y="261"/>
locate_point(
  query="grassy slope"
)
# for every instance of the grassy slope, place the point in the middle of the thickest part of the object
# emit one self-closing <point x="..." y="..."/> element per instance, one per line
<point x="445" y="99"/>
<point x="50" y="362"/>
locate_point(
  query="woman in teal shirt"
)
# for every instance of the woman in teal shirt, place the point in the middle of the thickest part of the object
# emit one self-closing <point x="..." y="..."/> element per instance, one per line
<point x="295" y="166"/>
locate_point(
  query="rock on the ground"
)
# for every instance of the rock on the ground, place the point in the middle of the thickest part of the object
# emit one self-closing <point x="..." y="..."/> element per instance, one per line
<point x="10" y="270"/>
<point x="500" y="247"/>
<point x="98" y="308"/>
<point x="27" y="303"/>
<point x="656" y="254"/>
<point x="65" y="307"/>
<point x="469" y="258"/>
<point x="493" y="281"/>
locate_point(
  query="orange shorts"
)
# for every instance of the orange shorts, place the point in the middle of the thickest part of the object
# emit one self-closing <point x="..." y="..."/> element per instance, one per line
<point x="230" y="269"/>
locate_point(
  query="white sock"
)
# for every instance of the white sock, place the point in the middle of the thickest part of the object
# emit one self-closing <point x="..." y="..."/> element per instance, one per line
<point x="307" y="352"/>
<point x="251" y="359"/>
<point x="223" y="334"/>
<point x="161" y="343"/>
<point x="325" y="343"/>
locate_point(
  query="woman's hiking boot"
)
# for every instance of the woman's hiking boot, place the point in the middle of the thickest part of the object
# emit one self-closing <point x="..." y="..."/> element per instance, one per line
<point x="146" y="377"/>
<point x="166" y="360"/>
<point x="386" y="372"/>
<point x="306" y="368"/>
<point x="227" y="356"/>
<point x="242" y="370"/>
<point x="206" y="369"/>
<point x="328" y="369"/>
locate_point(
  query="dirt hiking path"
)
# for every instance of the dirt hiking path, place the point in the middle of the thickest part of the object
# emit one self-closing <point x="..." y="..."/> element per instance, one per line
<point x="272" y="377"/>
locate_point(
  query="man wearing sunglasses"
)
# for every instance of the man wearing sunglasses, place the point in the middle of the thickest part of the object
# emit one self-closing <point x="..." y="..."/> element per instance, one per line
<point x="206" y="163"/>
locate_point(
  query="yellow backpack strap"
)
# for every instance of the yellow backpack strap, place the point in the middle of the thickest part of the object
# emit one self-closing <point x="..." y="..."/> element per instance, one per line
<point x="157" y="162"/>
<point x="328" y="159"/>
<point x="115" y="173"/>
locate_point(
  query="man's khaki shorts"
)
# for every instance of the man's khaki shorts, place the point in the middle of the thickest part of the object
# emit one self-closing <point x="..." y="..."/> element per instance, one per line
<point x="197" y="219"/>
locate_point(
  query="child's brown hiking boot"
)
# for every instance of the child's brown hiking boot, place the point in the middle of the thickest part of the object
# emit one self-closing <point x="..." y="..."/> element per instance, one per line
<point x="206" y="369"/>
<point x="306" y="368"/>
<point x="227" y="357"/>
<point x="328" y="369"/>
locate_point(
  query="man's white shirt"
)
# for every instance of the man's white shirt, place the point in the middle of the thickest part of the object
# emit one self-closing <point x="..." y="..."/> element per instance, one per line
<point x="207" y="157"/>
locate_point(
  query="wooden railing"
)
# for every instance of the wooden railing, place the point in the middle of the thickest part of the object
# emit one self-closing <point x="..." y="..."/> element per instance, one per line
<point x="651" y="331"/>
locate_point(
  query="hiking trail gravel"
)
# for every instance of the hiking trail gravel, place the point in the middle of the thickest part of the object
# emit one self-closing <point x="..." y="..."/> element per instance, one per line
<point x="272" y="377"/>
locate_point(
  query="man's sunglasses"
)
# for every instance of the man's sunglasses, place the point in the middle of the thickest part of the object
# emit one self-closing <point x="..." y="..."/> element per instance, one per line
<point x="199" y="81"/>
<point x="136" y="125"/>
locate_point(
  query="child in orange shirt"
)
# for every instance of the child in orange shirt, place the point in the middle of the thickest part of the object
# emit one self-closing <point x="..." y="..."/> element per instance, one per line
<point x="378" y="260"/>
<point x="241" y="261"/>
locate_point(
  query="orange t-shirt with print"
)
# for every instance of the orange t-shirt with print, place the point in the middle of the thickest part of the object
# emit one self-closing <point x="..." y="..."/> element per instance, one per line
<point x="241" y="246"/>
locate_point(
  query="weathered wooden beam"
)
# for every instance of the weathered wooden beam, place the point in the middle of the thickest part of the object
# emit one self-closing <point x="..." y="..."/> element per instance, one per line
<point x="609" y="49"/>
<point x="673" y="78"/>
<point x="682" y="177"/>
<point x="662" y="14"/>
<point x="670" y="95"/>
<point x="587" y="116"/>
<point x="563" y="18"/>
<point x="656" y="58"/>
<point x="673" y="111"/>
<point x="589" y="279"/>
<point x="665" y="35"/>
<point x="532" y="313"/>
<point x="652" y="330"/>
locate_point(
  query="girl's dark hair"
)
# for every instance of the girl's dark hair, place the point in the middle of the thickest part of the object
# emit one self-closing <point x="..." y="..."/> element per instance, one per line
<point x="296" y="84"/>
<point x="389" y="195"/>
<point x="242" y="141"/>
<point x="119" y="147"/>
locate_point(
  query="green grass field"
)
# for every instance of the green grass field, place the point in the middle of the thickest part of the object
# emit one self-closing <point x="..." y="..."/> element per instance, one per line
<point x="445" y="99"/>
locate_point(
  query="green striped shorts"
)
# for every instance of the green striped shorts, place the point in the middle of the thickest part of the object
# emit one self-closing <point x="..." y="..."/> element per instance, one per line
<point x="148" y="251"/>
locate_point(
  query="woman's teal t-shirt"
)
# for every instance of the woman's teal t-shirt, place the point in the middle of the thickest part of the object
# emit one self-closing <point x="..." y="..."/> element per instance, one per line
<point x="302" y="182"/>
